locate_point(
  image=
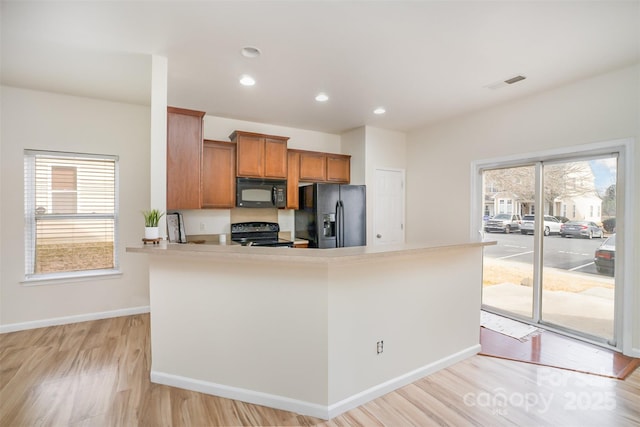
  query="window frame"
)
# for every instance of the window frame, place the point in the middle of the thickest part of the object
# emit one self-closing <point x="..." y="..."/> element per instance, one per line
<point x="31" y="216"/>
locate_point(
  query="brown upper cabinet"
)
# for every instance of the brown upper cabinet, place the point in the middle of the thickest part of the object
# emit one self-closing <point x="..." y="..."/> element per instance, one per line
<point x="324" y="167"/>
<point x="259" y="155"/>
<point x="218" y="174"/>
<point x="314" y="166"/>
<point x="339" y="168"/>
<point x="184" y="158"/>
<point x="202" y="173"/>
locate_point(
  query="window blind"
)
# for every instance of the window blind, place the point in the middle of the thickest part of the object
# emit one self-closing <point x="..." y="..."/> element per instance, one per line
<point x="71" y="212"/>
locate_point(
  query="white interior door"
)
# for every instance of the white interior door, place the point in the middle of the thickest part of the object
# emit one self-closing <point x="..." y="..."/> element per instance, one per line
<point x="389" y="207"/>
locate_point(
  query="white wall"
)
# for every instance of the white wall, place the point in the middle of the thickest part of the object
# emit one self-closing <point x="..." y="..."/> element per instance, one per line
<point x="46" y="121"/>
<point x="219" y="128"/>
<point x="354" y="144"/>
<point x="385" y="149"/>
<point x="602" y="108"/>
<point x="158" y="138"/>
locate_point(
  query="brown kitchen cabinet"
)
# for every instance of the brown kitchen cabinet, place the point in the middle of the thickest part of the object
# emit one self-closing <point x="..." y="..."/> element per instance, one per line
<point x="293" y="178"/>
<point x="184" y="158"/>
<point x="260" y="156"/>
<point x="218" y="174"/>
<point x="316" y="166"/>
<point x="313" y="166"/>
<point x="338" y="168"/>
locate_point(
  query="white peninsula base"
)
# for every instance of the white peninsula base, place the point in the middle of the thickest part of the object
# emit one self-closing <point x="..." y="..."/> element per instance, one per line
<point x="298" y="329"/>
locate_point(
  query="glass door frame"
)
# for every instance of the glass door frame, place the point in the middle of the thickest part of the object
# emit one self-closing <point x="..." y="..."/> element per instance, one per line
<point x="624" y="295"/>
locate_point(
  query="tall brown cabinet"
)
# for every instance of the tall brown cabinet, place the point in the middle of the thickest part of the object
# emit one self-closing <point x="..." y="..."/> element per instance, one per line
<point x="184" y="158"/>
<point x="200" y="173"/>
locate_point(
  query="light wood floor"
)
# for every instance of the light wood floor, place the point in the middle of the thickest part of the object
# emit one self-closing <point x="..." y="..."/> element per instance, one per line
<point x="97" y="374"/>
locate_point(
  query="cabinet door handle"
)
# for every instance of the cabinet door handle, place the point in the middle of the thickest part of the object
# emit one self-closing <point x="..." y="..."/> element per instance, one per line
<point x="379" y="236"/>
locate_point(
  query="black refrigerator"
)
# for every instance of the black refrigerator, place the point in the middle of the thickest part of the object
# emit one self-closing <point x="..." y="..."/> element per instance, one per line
<point x="332" y="215"/>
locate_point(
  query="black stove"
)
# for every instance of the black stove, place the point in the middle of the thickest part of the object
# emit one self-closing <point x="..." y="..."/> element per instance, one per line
<point x="258" y="234"/>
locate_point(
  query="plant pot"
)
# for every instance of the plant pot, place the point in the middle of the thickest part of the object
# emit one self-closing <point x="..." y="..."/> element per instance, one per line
<point x="151" y="232"/>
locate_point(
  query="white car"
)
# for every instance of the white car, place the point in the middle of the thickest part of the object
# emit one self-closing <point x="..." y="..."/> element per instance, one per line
<point x="505" y="223"/>
<point x="551" y="225"/>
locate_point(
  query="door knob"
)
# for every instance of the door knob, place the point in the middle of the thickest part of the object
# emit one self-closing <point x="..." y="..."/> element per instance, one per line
<point x="378" y="236"/>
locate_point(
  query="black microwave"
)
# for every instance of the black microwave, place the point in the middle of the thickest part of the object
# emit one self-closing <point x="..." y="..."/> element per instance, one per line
<point x="261" y="193"/>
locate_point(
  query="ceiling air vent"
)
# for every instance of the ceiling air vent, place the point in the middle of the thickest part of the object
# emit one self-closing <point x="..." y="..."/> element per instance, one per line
<point x="503" y="83"/>
<point x="515" y="79"/>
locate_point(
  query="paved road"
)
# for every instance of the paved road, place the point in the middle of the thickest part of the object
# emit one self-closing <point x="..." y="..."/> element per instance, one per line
<point x="572" y="254"/>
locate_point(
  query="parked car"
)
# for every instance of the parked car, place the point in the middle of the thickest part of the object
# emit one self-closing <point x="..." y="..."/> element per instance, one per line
<point x="605" y="256"/>
<point x="505" y="223"/>
<point x="551" y="225"/>
<point x="581" y="229"/>
<point x="562" y="219"/>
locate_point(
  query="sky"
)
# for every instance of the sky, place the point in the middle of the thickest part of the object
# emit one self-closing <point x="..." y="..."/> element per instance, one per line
<point x="604" y="171"/>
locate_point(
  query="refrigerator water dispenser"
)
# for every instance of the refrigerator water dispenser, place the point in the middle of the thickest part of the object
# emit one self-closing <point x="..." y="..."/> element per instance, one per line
<point x="329" y="225"/>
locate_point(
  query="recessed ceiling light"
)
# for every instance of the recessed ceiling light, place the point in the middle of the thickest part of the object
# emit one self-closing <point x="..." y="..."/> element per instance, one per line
<point x="322" y="97"/>
<point x="246" y="80"/>
<point x="250" y="52"/>
<point x="379" y="111"/>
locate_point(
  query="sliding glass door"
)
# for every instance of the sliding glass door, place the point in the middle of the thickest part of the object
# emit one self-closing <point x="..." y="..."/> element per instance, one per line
<point x="554" y="262"/>
<point x="508" y="266"/>
<point x="578" y="274"/>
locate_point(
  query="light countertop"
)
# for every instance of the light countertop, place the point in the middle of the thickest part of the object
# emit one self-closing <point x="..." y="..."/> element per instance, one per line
<point x="322" y="256"/>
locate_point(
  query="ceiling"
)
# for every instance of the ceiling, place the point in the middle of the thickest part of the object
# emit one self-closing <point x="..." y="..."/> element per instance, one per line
<point x="423" y="61"/>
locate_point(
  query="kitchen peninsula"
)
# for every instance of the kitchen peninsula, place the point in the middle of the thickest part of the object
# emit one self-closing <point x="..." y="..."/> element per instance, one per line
<point x="314" y="331"/>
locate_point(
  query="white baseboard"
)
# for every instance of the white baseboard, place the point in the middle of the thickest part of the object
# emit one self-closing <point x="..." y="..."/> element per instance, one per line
<point x="635" y="352"/>
<point x="244" y="395"/>
<point x="308" y="408"/>
<point x="401" y="381"/>
<point x="14" y="327"/>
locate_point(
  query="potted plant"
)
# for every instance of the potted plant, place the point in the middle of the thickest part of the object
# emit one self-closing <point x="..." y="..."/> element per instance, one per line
<point x="151" y="218"/>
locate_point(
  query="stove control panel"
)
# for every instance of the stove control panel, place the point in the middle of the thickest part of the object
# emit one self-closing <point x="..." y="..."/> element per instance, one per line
<point x="249" y="227"/>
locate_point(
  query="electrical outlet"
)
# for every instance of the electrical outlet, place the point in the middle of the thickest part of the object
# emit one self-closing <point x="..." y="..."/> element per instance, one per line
<point x="379" y="347"/>
<point x="202" y="227"/>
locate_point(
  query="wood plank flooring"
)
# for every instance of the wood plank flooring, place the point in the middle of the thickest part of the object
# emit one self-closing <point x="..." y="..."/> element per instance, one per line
<point x="551" y="349"/>
<point x="97" y="374"/>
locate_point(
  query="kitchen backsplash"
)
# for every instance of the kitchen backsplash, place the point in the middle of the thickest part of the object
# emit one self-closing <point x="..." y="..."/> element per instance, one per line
<point x="218" y="221"/>
<point x="245" y="215"/>
<point x="206" y="221"/>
